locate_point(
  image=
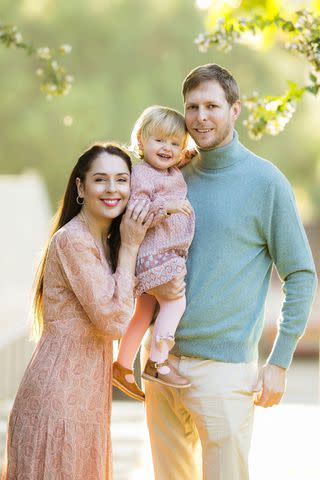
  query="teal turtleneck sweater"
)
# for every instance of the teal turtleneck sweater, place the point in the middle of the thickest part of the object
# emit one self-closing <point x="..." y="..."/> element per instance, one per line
<point x="246" y="220"/>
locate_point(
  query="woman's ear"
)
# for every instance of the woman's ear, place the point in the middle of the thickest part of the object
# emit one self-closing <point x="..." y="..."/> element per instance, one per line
<point x="79" y="187"/>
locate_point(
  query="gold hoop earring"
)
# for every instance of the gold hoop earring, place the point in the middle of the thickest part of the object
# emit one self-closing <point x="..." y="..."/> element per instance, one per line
<point x="78" y="200"/>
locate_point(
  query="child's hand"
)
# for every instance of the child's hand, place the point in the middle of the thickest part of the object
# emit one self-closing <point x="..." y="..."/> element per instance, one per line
<point x="179" y="206"/>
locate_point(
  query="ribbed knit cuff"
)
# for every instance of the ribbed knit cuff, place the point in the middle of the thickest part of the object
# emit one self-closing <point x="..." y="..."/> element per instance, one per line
<point x="283" y="350"/>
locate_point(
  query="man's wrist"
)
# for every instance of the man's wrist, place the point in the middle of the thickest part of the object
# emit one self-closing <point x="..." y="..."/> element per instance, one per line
<point x="278" y="366"/>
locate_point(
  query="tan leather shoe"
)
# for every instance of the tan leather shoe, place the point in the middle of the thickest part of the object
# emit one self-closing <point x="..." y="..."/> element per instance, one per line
<point x="119" y="380"/>
<point x="171" y="379"/>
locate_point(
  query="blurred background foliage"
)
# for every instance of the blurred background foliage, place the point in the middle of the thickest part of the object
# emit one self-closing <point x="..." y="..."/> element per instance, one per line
<point x="125" y="56"/>
<point x="261" y="27"/>
<point x="268" y="8"/>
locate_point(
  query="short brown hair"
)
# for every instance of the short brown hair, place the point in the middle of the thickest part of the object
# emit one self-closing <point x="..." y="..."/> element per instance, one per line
<point x="208" y="73"/>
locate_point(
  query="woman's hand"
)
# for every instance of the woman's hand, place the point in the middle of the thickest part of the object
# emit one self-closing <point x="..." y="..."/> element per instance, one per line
<point x="135" y="223"/>
<point x="179" y="206"/>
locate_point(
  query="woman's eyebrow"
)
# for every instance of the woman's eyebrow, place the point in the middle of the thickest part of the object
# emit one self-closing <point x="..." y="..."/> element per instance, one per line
<point x="106" y="174"/>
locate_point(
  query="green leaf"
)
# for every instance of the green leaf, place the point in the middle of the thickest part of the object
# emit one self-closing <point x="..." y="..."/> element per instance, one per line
<point x="292" y="85"/>
<point x="313" y="78"/>
<point x="313" y="89"/>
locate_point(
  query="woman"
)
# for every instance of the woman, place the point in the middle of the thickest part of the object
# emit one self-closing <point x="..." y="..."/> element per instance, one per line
<point x="59" y="424"/>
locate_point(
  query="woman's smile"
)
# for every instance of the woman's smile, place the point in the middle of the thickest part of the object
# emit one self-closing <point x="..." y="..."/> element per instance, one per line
<point x="110" y="202"/>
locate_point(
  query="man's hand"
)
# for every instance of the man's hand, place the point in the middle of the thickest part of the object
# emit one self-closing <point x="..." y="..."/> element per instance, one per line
<point x="270" y="386"/>
<point x="171" y="290"/>
<point x="186" y="157"/>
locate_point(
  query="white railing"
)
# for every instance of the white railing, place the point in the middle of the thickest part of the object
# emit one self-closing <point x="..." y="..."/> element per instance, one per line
<point x="24" y="230"/>
<point x="14" y="358"/>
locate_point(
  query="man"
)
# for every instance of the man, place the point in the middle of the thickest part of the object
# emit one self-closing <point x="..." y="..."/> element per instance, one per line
<point x="246" y="221"/>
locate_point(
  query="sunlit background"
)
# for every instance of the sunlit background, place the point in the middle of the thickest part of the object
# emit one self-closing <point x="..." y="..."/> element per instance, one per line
<point x="127" y="55"/>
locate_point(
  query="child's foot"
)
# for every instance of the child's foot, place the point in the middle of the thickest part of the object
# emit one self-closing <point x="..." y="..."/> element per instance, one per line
<point x="153" y="373"/>
<point x="120" y="381"/>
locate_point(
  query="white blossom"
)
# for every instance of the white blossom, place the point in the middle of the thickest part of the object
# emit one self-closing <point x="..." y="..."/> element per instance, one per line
<point x="54" y="65"/>
<point x="65" y="48"/>
<point x="18" y="38"/>
<point x="44" y="53"/>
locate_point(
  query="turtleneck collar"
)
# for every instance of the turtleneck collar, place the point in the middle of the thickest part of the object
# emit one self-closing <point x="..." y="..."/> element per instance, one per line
<point x="220" y="157"/>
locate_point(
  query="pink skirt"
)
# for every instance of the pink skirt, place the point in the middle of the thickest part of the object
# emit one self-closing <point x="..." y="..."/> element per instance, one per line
<point x="155" y="270"/>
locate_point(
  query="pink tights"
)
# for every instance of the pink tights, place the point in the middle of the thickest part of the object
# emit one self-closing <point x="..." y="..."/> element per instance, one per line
<point x="165" y="327"/>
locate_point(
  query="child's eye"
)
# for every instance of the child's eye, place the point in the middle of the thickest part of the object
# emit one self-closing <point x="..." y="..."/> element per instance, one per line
<point x="158" y="139"/>
<point x="212" y="106"/>
<point x="99" y="179"/>
<point x="122" y="180"/>
<point x="191" y="107"/>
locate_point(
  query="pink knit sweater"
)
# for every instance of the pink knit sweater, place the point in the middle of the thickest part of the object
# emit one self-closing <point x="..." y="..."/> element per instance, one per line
<point x="163" y="252"/>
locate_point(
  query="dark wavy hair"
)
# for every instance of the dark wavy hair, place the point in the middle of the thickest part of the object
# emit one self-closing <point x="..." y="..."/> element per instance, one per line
<point x="69" y="208"/>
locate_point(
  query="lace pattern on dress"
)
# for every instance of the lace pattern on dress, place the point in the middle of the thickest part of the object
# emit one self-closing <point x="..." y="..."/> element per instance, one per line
<point x="160" y="274"/>
<point x="149" y="262"/>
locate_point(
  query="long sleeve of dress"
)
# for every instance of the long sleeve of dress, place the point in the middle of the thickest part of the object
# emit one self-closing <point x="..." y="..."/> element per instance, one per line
<point x="106" y="298"/>
<point x="143" y="188"/>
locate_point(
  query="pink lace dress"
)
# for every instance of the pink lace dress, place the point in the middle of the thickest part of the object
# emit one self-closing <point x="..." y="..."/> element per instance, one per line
<point x="162" y="254"/>
<point x="59" y="424"/>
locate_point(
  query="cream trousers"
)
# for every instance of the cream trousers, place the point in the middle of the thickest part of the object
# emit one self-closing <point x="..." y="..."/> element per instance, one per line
<point x="202" y="432"/>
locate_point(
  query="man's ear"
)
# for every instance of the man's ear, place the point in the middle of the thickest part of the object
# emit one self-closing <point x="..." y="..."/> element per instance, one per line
<point x="79" y="187"/>
<point x="236" y="110"/>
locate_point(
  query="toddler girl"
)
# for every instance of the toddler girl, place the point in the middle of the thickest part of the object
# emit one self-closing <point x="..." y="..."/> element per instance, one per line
<point x="159" y="137"/>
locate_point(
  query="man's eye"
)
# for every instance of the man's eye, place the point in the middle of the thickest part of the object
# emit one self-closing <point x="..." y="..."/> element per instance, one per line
<point x="212" y="106"/>
<point x="122" y="179"/>
<point x="191" y="107"/>
<point x="99" y="179"/>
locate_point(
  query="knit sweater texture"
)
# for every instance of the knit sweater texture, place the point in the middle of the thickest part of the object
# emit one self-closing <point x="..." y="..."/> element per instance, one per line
<point x="246" y="221"/>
